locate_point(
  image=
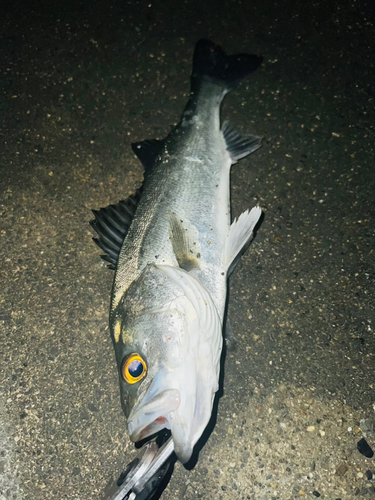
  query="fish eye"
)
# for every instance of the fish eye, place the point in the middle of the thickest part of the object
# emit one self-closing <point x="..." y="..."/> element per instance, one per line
<point x="134" y="368"/>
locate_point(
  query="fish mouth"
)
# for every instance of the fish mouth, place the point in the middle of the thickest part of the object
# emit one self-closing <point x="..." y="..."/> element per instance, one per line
<point x="166" y="411"/>
<point x="153" y="414"/>
<point x="184" y="410"/>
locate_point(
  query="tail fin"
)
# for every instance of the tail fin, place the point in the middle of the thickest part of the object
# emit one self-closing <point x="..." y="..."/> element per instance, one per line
<point x="210" y="61"/>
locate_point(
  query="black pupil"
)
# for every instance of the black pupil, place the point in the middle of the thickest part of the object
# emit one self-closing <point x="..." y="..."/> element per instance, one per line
<point x="135" y="368"/>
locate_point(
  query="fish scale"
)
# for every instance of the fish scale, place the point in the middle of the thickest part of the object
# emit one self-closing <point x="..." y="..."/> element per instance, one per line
<point x="190" y="189"/>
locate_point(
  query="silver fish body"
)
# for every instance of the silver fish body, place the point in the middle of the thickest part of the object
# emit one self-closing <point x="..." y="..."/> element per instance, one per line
<point x="170" y="286"/>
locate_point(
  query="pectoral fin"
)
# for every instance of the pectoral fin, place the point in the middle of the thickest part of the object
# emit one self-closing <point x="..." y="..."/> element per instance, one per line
<point x="239" y="237"/>
<point x="185" y="242"/>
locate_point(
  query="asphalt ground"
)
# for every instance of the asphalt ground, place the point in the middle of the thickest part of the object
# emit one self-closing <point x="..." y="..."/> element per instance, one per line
<point x="79" y="82"/>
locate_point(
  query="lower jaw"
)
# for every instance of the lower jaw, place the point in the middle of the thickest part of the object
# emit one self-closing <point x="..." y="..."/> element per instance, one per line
<point x="156" y="426"/>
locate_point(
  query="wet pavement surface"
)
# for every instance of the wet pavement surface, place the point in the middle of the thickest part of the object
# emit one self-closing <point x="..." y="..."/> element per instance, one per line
<point x="79" y="82"/>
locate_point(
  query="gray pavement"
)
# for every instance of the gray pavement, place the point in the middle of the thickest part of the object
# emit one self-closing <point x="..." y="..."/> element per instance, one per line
<point x="81" y="81"/>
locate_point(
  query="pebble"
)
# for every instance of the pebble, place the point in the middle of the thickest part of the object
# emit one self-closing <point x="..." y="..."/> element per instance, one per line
<point x="366" y="425"/>
<point x="364" y="448"/>
<point x="359" y="474"/>
<point x="341" y="469"/>
<point x="316" y="493"/>
<point x="369" y="475"/>
<point x="310" y="428"/>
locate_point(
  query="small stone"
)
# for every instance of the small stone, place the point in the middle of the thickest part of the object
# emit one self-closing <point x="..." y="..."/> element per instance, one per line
<point x="301" y="492"/>
<point x="76" y="471"/>
<point x="364" y="448"/>
<point x="342" y="469"/>
<point x="363" y="491"/>
<point x="369" y="475"/>
<point x="310" y="428"/>
<point x="92" y="407"/>
<point x="360" y="474"/>
<point x="322" y="433"/>
<point x="316" y="493"/>
<point x="366" y="425"/>
<point x="230" y="430"/>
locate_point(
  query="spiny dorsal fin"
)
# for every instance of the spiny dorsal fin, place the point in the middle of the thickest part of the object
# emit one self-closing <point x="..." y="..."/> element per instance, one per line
<point x="148" y="151"/>
<point x="239" y="145"/>
<point x="239" y="237"/>
<point x="184" y="237"/>
<point x="112" y="225"/>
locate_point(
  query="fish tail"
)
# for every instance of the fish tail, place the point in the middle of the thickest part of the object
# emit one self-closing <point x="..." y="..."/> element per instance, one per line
<point x="211" y="63"/>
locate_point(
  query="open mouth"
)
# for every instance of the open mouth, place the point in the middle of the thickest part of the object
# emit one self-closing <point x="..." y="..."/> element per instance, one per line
<point x="153" y="414"/>
<point x="165" y="410"/>
<point x="157" y="425"/>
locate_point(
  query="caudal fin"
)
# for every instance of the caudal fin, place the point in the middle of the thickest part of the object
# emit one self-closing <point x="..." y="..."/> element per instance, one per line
<point x="211" y="62"/>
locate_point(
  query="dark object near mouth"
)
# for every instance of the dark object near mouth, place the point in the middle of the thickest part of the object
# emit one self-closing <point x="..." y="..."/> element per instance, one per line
<point x="161" y="437"/>
<point x="156" y="485"/>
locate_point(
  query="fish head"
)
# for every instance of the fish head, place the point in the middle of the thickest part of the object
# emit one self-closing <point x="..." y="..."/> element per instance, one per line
<point x="167" y="335"/>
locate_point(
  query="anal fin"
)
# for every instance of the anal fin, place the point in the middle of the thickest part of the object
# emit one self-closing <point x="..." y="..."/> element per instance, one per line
<point x="239" y="237"/>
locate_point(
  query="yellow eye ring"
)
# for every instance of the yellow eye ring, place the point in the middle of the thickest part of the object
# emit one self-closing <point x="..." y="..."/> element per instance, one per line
<point x="133" y="368"/>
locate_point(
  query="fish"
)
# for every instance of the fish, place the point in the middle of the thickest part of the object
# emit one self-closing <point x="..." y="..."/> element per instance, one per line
<point x="173" y="246"/>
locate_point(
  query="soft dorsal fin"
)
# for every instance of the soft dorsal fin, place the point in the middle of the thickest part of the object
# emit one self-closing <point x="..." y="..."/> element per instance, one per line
<point x="185" y="241"/>
<point x="239" y="145"/>
<point x="148" y="151"/>
<point x="239" y="237"/>
<point x="112" y="225"/>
